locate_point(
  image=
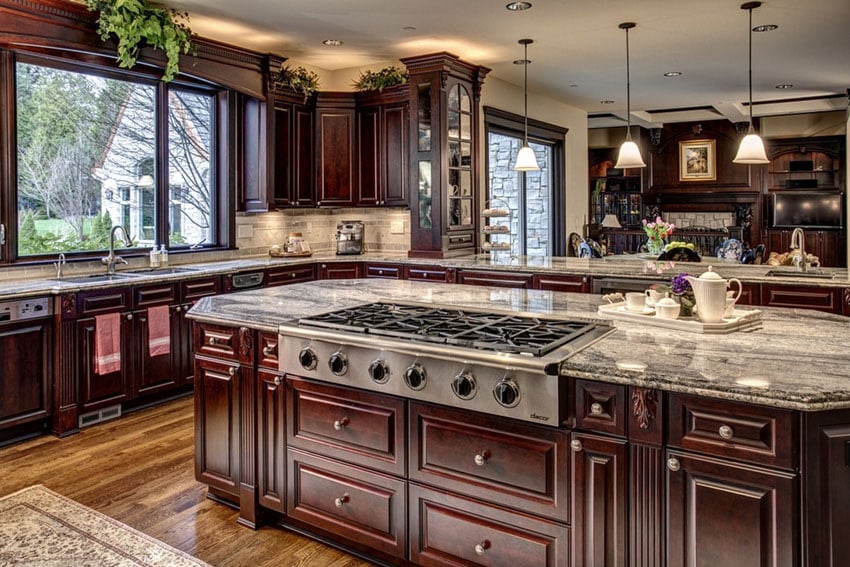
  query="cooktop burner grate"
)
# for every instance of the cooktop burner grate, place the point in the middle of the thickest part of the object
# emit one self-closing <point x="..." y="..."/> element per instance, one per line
<point x="528" y="335"/>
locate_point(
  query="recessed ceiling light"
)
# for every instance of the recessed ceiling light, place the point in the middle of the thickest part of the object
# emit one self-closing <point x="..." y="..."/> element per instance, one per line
<point x="518" y="6"/>
<point x="522" y="61"/>
<point x="606" y="102"/>
<point x="332" y="42"/>
<point x="673" y="74"/>
<point x="409" y="28"/>
<point x="785" y="86"/>
<point x="765" y="27"/>
<point x="573" y="86"/>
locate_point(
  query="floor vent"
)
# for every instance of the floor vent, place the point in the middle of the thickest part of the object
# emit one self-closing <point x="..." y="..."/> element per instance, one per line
<point x="99" y="416"/>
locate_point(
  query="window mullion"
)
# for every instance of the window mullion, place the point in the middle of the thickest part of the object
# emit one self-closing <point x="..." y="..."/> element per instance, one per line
<point x="161" y="163"/>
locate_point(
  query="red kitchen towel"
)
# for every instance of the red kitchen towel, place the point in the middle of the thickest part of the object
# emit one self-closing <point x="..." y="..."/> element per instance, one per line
<point x="107" y="349"/>
<point x="159" y="331"/>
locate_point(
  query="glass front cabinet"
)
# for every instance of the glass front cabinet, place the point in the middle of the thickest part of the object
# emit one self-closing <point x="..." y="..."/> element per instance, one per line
<point x="444" y="99"/>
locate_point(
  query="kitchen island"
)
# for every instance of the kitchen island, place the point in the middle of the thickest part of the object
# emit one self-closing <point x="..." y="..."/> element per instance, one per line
<point x="676" y="448"/>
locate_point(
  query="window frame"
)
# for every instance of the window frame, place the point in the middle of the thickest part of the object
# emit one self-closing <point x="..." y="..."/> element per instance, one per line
<point x="500" y="121"/>
<point x="221" y="227"/>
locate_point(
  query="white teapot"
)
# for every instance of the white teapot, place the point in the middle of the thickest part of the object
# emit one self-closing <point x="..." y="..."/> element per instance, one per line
<point x="710" y="294"/>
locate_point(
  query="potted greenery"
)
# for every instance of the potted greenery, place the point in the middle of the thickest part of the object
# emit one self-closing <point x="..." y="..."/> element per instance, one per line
<point x="136" y="23"/>
<point x="379" y="80"/>
<point x="298" y="79"/>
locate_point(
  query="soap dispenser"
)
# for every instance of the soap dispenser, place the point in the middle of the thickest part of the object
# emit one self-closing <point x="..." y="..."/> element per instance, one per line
<point x="163" y="256"/>
<point x="154" y="257"/>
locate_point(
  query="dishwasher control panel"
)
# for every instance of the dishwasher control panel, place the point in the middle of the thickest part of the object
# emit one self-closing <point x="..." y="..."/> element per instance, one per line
<point x="22" y="309"/>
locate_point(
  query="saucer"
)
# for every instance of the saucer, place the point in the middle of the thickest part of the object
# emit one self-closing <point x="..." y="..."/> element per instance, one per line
<point x="645" y="311"/>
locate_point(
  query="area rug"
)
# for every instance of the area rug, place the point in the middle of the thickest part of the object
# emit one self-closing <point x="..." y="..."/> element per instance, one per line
<point x="41" y="528"/>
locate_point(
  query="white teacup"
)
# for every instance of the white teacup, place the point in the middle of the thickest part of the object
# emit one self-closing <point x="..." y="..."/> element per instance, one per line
<point x="635" y="301"/>
<point x="654" y="295"/>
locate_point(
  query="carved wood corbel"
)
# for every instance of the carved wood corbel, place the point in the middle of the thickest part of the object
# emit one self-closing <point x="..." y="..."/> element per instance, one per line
<point x="644" y="406"/>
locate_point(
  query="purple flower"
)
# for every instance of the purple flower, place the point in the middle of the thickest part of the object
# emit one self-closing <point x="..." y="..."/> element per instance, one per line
<point x="681" y="285"/>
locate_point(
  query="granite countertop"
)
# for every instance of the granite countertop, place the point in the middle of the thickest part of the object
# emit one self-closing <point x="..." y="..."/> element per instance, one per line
<point x="610" y="266"/>
<point x="799" y="359"/>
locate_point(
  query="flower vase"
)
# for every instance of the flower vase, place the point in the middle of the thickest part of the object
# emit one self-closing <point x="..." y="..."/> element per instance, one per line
<point x="655" y="246"/>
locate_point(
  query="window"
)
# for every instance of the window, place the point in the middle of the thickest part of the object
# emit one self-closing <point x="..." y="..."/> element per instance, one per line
<point x="90" y="155"/>
<point x="535" y="198"/>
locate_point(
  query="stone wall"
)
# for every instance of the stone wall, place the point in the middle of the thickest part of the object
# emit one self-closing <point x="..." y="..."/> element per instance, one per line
<point x="701" y="220"/>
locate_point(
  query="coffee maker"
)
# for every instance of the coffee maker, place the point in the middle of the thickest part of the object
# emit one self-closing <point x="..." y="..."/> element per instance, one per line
<point x="349" y="237"/>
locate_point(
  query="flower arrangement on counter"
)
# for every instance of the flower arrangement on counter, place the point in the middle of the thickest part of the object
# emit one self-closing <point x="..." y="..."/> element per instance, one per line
<point x="657" y="232"/>
<point x="683" y="293"/>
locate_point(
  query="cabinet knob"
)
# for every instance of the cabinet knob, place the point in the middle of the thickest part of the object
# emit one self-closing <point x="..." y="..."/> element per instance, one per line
<point x="338" y="502"/>
<point x="481" y="458"/>
<point x="596" y="408"/>
<point x="277" y="381"/>
<point x="576" y="445"/>
<point x="340" y="424"/>
<point x="232" y="371"/>
<point x="129" y="316"/>
<point x="673" y="464"/>
<point x="211" y="341"/>
<point x="726" y="432"/>
<point x="177" y="308"/>
<point x="268" y="350"/>
<point x="292" y="275"/>
<point x="480" y="548"/>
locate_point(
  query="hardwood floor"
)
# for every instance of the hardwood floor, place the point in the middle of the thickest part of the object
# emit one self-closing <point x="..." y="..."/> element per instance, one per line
<point x="139" y="470"/>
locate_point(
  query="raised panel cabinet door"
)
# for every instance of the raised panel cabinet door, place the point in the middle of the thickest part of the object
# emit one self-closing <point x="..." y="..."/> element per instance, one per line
<point x="102" y="386"/>
<point x="394" y="154"/>
<point x="303" y="176"/>
<point x="600" y="508"/>
<point x="731" y="514"/>
<point x="369" y="182"/>
<point x="335" y="159"/>
<point x="24" y="394"/>
<point x="271" y="440"/>
<point x="217" y="424"/>
<point x="339" y="271"/>
<point x="154" y="369"/>
<point x="282" y="163"/>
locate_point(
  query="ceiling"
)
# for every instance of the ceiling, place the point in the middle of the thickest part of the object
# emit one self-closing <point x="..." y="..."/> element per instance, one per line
<point x="578" y="55"/>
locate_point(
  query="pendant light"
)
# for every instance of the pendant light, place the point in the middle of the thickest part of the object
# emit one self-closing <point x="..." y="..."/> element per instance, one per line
<point x="629" y="152"/>
<point x="751" y="150"/>
<point x="525" y="159"/>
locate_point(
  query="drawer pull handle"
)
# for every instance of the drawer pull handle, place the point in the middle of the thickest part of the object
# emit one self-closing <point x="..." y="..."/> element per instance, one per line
<point x="212" y="341"/>
<point x="292" y="275"/>
<point x="481" y="458"/>
<point x="268" y="350"/>
<point x="673" y="464"/>
<point x="726" y="432"/>
<point x="596" y="408"/>
<point x="341" y="500"/>
<point x="480" y="548"/>
<point x="232" y="371"/>
<point x="576" y="445"/>
<point x="340" y="424"/>
<point x="277" y="381"/>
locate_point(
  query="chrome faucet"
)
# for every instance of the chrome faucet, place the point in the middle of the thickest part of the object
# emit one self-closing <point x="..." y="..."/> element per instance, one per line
<point x="798" y="241"/>
<point x="59" y="264"/>
<point x="111" y="259"/>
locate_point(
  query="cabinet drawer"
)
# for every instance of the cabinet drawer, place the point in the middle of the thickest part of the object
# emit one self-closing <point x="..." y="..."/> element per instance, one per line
<point x="154" y="294"/>
<point x="575" y="284"/>
<point x="449" y="530"/>
<point x="497" y="279"/>
<point x="202" y="287"/>
<point x="339" y="271"/>
<point x="268" y="356"/>
<point x="350" y="502"/>
<point x="213" y="340"/>
<point x="600" y="407"/>
<point x="95" y="302"/>
<point x="290" y="274"/>
<point x="731" y="429"/>
<point x="516" y="465"/>
<point x="427" y="273"/>
<point x="350" y="425"/>
<point x="798" y="296"/>
<point x="389" y="271"/>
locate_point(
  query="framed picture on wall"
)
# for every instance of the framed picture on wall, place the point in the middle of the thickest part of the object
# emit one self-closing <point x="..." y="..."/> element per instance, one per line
<point x="697" y="160"/>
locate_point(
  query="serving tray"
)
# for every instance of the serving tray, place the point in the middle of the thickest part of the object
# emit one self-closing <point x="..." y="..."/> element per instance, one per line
<point x="741" y="320"/>
<point x="290" y="254"/>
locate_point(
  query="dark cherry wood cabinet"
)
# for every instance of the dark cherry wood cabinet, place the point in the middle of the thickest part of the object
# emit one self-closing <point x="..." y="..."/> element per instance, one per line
<point x="25" y="371"/>
<point x="430" y="273"/>
<point x="340" y="270"/>
<point x="830" y="246"/>
<point x="291" y="150"/>
<point x="271" y="436"/>
<point x="288" y="274"/>
<point x="495" y="279"/>
<point x="720" y="512"/>
<point x="383" y="270"/>
<point x="382" y="147"/>
<point x="551" y="282"/>
<point x="152" y="373"/>
<point x="336" y="166"/>
<point x="829" y="299"/>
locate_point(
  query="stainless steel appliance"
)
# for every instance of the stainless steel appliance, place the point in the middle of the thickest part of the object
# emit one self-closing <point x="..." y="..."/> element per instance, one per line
<point x="246" y="281"/>
<point x="504" y="364"/>
<point x="349" y="237"/>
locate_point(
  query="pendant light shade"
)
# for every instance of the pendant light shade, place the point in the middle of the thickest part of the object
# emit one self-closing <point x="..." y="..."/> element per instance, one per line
<point x="629" y="152"/>
<point x="525" y="159"/>
<point x="751" y="151"/>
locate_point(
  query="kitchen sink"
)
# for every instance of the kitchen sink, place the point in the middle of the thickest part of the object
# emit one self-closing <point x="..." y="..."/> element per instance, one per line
<point x="93" y="278"/>
<point x="811" y="274"/>
<point x="153" y="271"/>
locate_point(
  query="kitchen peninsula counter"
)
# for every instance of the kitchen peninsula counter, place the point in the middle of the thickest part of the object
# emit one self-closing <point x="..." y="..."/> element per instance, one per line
<point x="798" y="359"/>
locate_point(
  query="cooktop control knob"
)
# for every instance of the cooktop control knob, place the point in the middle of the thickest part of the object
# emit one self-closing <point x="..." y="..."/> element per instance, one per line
<point x="415" y="376"/>
<point x="338" y="363"/>
<point x="506" y="392"/>
<point x="379" y="371"/>
<point x="463" y="385"/>
<point x="308" y="359"/>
